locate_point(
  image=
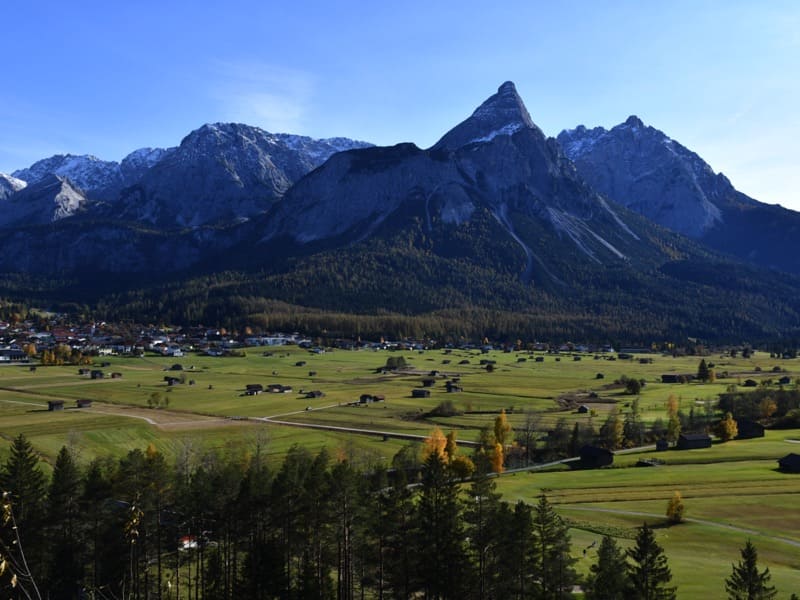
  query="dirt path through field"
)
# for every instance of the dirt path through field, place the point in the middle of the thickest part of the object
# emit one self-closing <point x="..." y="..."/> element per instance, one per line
<point x="632" y="513"/>
<point x="166" y="420"/>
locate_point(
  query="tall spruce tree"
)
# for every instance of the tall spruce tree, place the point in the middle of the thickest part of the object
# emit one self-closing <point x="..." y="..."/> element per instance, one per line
<point x="22" y="477"/>
<point x="483" y="532"/>
<point x="649" y="574"/>
<point x="607" y="579"/>
<point x="66" y="535"/>
<point x="516" y="558"/>
<point x="745" y="582"/>
<point x="26" y="489"/>
<point x="393" y="515"/>
<point x="107" y="552"/>
<point x="440" y="548"/>
<point x="552" y="561"/>
<point x="703" y="371"/>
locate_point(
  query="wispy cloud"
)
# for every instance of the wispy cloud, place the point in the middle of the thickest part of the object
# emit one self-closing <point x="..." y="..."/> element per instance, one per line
<point x="269" y="96"/>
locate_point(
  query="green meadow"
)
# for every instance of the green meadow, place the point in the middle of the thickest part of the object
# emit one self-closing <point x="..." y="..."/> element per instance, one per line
<point x="731" y="491"/>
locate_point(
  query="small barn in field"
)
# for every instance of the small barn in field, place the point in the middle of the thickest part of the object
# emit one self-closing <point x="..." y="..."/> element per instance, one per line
<point x="594" y="457"/>
<point x="370" y="398"/>
<point x="790" y="463"/>
<point x="420" y="393"/>
<point x="749" y="429"/>
<point x="83" y="403"/>
<point x="693" y="441"/>
<point x="277" y="388"/>
<point x="55" y="405"/>
<point x="677" y="377"/>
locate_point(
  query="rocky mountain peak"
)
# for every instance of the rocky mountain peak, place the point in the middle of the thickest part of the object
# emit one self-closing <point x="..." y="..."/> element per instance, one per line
<point x="634" y="121"/>
<point x="503" y="113"/>
<point x="643" y="169"/>
<point x="99" y="178"/>
<point x="49" y="199"/>
<point x="10" y="185"/>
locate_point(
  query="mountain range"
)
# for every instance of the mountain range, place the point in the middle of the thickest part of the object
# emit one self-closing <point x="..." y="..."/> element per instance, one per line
<point x="620" y="233"/>
<point x="643" y="169"/>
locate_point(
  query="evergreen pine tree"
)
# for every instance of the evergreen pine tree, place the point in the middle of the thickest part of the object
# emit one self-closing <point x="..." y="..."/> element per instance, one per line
<point x="553" y="563"/>
<point x="22" y="477"/>
<point x="649" y="574"/>
<point x="107" y="552"/>
<point x="483" y="531"/>
<point x="607" y="578"/>
<point x="66" y="543"/>
<point x="25" y="486"/>
<point x="440" y="537"/>
<point x="745" y="582"/>
<point x="703" y="372"/>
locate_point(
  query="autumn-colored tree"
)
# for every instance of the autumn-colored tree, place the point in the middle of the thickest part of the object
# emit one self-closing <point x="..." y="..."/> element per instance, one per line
<point x="62" y="353"/>
<point x="673" y="429"/>
<point x="612" y="431"/>
<point x="727" y="428"/>
<point x="502" y="429"/>
<point x="462" y="467"/>
<point x="450" y="447"/>
<point x="673" y="405"/>
<point x="435" y="443"/>
<point x="767" y="407"/>
<point x="29" y="349"/>
<point x="497" y="458"/>
<point x="675" y="509"/>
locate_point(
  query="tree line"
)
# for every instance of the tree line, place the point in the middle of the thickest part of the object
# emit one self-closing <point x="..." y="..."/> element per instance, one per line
<point x="225" y="526"/>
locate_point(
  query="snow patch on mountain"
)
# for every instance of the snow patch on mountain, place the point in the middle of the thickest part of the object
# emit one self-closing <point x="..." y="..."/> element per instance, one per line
<point x="143" y="159"/>
<point x="641" y="168"/>
<point x="10" y="185"/>
<point x="504" y="113"/>
<point x="579" y="141"/>
<point x="48" y="200"/>
<point x="86" y="171"/>
<point x="509" y="129"/>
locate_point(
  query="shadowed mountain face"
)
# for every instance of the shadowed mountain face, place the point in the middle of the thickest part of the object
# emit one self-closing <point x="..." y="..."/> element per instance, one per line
<point x="496" y="164"/>
<point x="158" y="210"/>
<point x="643" y="169"/>
<point x="223" y="173"/>
<point x="493" y="217"/>
<point x="50" y="199"/>
<point x="9" y="186"/>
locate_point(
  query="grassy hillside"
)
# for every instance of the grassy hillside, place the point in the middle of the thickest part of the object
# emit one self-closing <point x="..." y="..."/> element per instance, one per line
<point x="732" y="491"/>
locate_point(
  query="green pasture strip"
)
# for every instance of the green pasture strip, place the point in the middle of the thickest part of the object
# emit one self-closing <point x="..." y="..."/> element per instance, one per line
<point x="699" y="556"/>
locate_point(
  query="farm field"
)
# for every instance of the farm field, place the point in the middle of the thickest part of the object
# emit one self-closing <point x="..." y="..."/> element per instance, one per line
<point x="732" y="491"/>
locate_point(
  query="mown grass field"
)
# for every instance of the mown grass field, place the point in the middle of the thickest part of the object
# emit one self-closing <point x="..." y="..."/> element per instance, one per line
<point x="732" y="491"/>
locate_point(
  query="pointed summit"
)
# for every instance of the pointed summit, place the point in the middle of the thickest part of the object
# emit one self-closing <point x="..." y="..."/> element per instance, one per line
<point x="634" y="121"/>
<point x="504" y="113"/>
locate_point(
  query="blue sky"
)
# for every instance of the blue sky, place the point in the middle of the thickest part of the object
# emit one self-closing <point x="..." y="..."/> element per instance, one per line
<point x="105" y="78"/>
